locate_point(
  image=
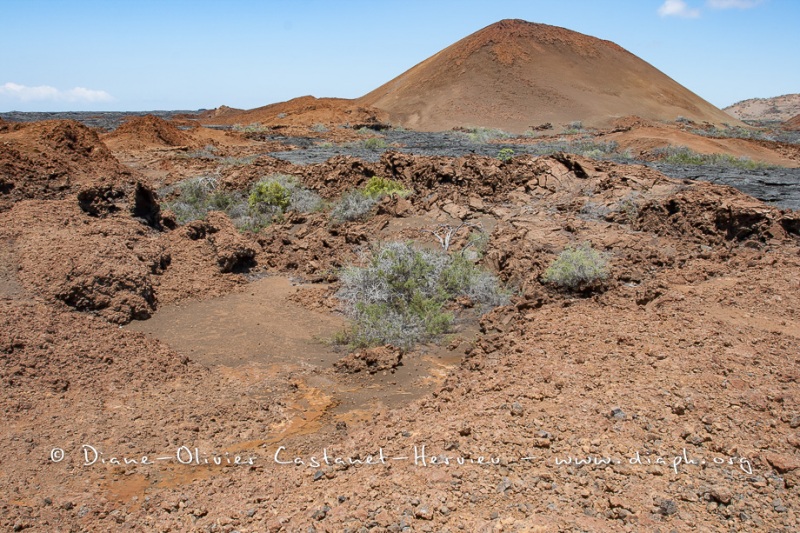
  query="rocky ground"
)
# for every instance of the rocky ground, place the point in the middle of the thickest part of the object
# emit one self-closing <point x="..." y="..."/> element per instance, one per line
<point x="664" y="400"/>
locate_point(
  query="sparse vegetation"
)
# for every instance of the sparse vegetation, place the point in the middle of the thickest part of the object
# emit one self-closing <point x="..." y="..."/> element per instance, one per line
<point x="209" y="151"/>
<point x="629" y="207"/>
<point x="255" y="127"/>
<point x="585" y="148"/>
<point x="357" y="203"/>
<point x="574" y="128"/>
<point x="484" y="135"/>
<point x="237" y="161"/>
<point x="400" y="297"/>
<point x="577" y="267"/>
<point x="594" y="211"/>
<point x="197" y="197"/>
<point x="733" y="132"/>
<point x="268" y="198"/>
<point x="319" y="128"/>
<point x="681" y="155"/>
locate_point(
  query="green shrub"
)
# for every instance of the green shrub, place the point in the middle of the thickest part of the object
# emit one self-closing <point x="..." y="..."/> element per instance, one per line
<point x="577" y="268"/>
<point x="505" y="154"/>
<point x="275" y="195"/>
<point x="269" y="196"/>
<point x="400" y="296"/>
<point x="375" y="143"/>
<point x="357" y="203"/>
<point x="377" y="187"/>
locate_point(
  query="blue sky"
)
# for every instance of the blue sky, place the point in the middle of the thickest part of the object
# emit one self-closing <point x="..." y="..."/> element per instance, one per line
<point x="58" y="55"/>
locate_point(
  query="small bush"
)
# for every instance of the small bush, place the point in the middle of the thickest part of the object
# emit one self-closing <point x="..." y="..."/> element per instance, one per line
<point x="573" y="128"/>
<point x="400" y="296"/>
<point x="375" y="143"/>
<point x="577" y="268"/>
<point x="352" y="206"/>
<point x="319" y="128"/>
<point x="357" y="203"/>
<point x="506" y="154"/>
<point x="378" y="187"/>
<point x="269" y="196"/>
<point x="629" y="207"/>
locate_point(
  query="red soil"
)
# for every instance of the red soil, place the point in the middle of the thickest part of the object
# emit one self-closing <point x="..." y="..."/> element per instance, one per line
<point x="690" y="349"/>
<point x="147" y="132"/>
<point x="793" y="124"/>
<point x="303" y="111"/>
<point x="54" y="159"/>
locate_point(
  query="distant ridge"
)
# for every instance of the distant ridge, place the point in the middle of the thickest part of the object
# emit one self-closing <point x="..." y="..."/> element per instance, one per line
<point x="775" y="109"/>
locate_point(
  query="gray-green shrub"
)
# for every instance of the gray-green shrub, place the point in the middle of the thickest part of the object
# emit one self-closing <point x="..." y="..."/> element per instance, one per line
<point x="400" y="296"/>
<point x="577" y="267"/>
<point x="681" y="155"/>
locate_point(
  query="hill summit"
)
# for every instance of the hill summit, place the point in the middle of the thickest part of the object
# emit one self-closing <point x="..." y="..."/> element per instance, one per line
<point x="515" y="75"/>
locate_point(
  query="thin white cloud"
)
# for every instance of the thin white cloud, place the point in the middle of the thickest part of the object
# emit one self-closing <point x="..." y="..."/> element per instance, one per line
<point x="733" y="4"/>
<point x="677" y="8"/>
<point x="23" y="93"/>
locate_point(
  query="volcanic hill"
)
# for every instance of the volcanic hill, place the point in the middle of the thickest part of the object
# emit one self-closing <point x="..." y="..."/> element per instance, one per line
<point x="516" y="74"/>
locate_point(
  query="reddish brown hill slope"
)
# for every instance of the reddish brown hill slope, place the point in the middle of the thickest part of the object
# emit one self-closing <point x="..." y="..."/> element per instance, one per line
<point x="792" y="124"/>
<point x="516" y="74"/>
<point x="302" y="111"/>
